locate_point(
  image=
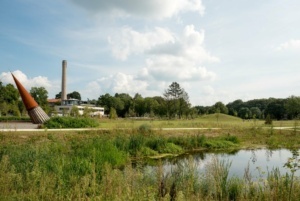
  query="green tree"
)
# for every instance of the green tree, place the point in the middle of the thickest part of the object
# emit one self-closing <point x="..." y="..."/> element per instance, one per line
<point x="9" y="99"/>
<point x="245" y="113"/>
<point x="276" y="109"/>
<point x="173" y="95"/>
<point x="293" y="106"/>
<point x="74" y="95"/>
<point x="58" y="96"/>
<point x="184" y="104"/>
<point x="234" y="107"/>
<point x="86" y="112"/>
<point x="107" y="101"/>
<point x="150" y="105"/>
<point x="256" y="112"/>
<point x="219" y="106"/>
<point x="74" y="111"/>
<point x="10" y="94"/>
<point x="40" y="95"/>
<point x="127" y="102"/>
<point x="160" y="109"/>
<point x="139" y="105"/>
<point x="113" y="113"/>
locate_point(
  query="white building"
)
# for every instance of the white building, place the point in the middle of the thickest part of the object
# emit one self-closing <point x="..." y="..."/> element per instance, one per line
<point x="66" y="107"/>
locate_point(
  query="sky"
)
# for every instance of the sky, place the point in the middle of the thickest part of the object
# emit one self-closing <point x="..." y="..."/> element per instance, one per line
<point x="216" y="50"/>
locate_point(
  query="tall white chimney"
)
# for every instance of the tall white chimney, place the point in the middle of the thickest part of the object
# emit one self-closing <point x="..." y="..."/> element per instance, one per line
<point x="64" y="81"/>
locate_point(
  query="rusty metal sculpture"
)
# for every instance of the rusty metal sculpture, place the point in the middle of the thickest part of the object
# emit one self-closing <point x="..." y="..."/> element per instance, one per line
<point x="35" y="112"/>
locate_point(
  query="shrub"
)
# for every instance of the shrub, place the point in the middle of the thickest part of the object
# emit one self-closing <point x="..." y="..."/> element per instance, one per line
<point x="233" y="139"/>
<point x="268" y="120"/>
<point x="144" y="128"/>
<point x="70" y="122"/>
<point x="172" y="148"/>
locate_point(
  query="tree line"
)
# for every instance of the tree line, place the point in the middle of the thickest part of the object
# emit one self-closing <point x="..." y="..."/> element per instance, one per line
<point x="174" y="103"/>
<point x="276" y="108"/>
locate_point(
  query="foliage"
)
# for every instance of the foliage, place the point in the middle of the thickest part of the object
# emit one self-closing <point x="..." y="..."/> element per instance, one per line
<point x="268" y="120"/>
<point x="74" y="111"/>
<point x="9" y="100"/>
<point x="40" y="95"/>
<point x="144" y="128"/>
<point x="293" y="106"/>
<point x="74" y="95"/>
<point x="70" y="122"/>
<point x="96" y="169"/>
<point x="177" y="100"/>
<point x="293" y="164"/>
<point x="174" y="103"/>
<point x="113" y="113"/>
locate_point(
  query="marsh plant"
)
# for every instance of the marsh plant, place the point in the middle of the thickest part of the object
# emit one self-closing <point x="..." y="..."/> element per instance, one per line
<point x="293" y="164"/>
<point x="98" y="166"/>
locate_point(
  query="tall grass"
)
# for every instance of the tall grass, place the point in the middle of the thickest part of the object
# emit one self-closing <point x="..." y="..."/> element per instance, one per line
<point x="96" y="165"/>
<point x="183" y="182"/>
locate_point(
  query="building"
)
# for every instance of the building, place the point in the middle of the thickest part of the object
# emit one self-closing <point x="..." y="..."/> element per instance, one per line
<point x="66" y="106"/>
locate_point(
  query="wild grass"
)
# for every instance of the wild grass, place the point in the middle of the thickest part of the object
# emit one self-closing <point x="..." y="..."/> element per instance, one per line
<point x="96" y="165"/>
<point x="183" y="182"/>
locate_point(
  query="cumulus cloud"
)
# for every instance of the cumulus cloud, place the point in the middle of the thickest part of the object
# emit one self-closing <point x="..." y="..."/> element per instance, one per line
<point x="152" y="9"/>
<point x="39" y="81"/>
<point x="117" y="83"/>
<point x="289" y="45"/>
<point x="168" y="57"/>
<point x="168" y="68"/>
<point x="127" y="41"/>
<point x="160" y="42"/>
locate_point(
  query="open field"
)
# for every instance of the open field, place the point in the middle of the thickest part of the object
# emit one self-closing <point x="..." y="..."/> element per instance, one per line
<point x="205" y="121"/>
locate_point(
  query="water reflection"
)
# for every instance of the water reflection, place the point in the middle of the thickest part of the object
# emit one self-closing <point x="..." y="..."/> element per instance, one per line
<point x="258" y="161"/>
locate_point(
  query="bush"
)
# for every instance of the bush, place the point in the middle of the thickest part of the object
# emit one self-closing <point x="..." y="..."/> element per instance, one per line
<point x="70" y="122"/>
<point x="233" y="139"/>
<point x="268" y="120"/>
<point x="144" y="128"/>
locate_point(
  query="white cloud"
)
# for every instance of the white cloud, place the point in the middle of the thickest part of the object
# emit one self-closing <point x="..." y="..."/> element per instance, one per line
<point x="127" y="41"/>
<point x="117" y="83"/>
<point x="168" y="57"/>
<point x="39" y="81"/>
<point x="170" y="68"/>
<point x="289" y="45"/>
<point x="179" y="60"/>
<point x="208" y="90"/>
<point x="149" y="9"/>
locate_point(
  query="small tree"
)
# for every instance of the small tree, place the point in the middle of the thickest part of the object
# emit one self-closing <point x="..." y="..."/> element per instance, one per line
<point x="113" y="113"/>
<point x="87" y="112"/>
<point x="268" y="120"/>
<point x="74" y="111"/>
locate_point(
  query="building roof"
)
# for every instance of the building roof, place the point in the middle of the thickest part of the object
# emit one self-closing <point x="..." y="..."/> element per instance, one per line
<point x="54" y="100"/>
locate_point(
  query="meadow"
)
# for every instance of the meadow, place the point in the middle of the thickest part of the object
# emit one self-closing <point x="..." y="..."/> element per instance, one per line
<point x="98" y="164"/>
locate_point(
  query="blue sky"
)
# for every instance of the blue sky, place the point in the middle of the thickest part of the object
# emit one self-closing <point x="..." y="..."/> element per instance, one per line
<point x="215" y="50"/>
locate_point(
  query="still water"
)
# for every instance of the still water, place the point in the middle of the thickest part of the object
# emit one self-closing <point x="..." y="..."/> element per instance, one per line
<point x="259" y="161"/>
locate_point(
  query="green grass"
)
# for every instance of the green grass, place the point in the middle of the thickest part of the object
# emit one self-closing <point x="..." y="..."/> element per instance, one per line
<point x="96" y="164"/>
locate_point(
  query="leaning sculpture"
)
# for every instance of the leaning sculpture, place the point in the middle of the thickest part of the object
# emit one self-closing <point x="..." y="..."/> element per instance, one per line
<point x="35" y="112"/>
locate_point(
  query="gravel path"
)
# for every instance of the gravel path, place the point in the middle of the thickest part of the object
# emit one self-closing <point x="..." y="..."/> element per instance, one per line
<point x="17" y="125"/>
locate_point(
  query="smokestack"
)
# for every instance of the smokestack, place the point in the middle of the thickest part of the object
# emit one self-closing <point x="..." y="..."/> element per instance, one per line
<point x="64" y="81"/>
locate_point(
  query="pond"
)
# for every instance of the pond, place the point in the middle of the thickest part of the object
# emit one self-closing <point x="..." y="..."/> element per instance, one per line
<point x="259" y="161"/>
